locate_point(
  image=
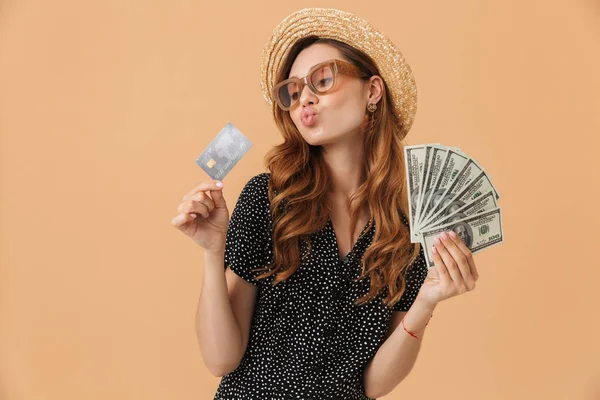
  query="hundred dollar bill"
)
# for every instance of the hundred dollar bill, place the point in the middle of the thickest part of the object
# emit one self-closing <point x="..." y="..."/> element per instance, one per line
<point x="451" y="166"/>
<point x="456" y="210"/>
<point x="469" y="171"/>
<point x="431" y="172"/>
<point x="414" y="157"/>
<point x="477" y="232"/>
<point x="433" y="159"/>
<point x="481" y="184"/>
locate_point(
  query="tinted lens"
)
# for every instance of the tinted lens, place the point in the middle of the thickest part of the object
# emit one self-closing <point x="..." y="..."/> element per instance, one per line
<point x="288" y="94"/>
<point x="322" y="78"/>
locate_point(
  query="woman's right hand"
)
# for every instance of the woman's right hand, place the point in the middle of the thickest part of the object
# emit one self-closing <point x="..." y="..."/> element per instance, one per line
<point x="204" y="217"/>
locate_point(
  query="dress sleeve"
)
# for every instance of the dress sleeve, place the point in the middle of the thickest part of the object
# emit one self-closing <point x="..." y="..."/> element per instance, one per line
<point x="415" y="276"/>
<point x="248" y="232"/>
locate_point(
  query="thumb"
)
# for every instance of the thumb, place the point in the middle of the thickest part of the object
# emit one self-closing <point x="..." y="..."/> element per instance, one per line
<point x="218" y="198"/>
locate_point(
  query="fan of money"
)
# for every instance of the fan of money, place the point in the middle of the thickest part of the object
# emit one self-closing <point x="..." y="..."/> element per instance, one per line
<point x="450" y="191"/>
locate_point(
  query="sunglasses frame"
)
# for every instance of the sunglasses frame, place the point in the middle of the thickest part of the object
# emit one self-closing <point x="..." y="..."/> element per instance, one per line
<point x="337" y="66"/>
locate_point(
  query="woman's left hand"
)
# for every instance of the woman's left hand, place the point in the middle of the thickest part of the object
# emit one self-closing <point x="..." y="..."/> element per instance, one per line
<point x="454" y="272"/>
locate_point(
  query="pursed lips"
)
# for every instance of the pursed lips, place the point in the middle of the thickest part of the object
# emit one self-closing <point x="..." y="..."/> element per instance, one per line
<point x="306" y="112"/>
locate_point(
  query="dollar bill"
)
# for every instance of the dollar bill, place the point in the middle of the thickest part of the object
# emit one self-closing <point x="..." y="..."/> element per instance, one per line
<point x="451" y="166"/>
<point x="414" y="156"/>
<point x="456" y="210"/>
<point x="478" y="232"/>
<point x="431" y="166"/>
<point x="481" y="184"/>
<point x="431" y="173"/>
<point x="469" y="171"/>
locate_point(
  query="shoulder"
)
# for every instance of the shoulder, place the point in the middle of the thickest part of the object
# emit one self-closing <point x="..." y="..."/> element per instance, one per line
<point x="259" y="180"/>
<point x="254" y="197"/>
<point x="257" y="187"/>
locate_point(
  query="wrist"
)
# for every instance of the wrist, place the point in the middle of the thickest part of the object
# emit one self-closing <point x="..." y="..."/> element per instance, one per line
<point x="418" y="317"/>
<point x="425" y="303"/>
<point x="214" y="255"/>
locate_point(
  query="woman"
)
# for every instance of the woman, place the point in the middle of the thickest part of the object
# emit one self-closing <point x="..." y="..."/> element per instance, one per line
<point x="323" y="296"/>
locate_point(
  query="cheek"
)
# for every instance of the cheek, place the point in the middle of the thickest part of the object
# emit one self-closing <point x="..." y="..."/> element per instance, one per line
<point x="345" y="106"/>
<point x="345" y="100"/>
<point x="295" y="116"/>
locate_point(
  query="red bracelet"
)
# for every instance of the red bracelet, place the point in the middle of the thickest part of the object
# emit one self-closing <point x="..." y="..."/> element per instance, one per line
<point x="411" y="333"/>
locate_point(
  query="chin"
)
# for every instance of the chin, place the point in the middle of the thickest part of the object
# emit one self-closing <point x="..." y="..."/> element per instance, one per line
<point x="314" y="137"/>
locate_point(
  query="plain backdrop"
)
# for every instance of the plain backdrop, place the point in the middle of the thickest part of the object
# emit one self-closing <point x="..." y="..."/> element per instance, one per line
<point x="105" y="105"/>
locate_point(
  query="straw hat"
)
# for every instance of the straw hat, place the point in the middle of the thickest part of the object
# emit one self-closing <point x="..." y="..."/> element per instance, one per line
<point x="353" y="30"/>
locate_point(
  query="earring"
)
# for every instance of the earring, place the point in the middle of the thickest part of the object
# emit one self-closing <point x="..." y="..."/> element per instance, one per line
<point x="372" y="107"/>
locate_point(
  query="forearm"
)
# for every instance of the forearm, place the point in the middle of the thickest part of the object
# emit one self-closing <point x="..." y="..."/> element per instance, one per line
<point x="398" y="354"/>
<point x="217" y="329"/>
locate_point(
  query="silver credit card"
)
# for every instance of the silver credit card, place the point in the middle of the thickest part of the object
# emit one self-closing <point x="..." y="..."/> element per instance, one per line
<point x="225" y="150"/>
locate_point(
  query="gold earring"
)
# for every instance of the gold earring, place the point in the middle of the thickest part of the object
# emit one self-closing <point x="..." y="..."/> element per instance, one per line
<point x="372" y="107"/>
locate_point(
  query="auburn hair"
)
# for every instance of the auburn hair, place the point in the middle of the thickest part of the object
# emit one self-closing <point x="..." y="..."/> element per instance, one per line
<point x="299" y="182"/>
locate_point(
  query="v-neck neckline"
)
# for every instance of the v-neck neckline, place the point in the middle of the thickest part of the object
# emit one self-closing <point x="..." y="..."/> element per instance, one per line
<point x="337" y="248"/>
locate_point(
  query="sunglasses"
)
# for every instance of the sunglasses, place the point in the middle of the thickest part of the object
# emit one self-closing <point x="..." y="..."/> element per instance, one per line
<point x="321" y="79"/>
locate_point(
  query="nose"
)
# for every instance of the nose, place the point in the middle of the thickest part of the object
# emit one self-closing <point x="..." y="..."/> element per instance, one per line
<point x="308" y="96"/>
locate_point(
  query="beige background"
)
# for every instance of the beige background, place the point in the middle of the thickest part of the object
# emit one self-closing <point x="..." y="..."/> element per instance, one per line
<point x="104" y="107"/>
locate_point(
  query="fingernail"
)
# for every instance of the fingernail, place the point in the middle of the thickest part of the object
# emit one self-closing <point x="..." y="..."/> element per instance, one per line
<point x="444" y="235"/>
<point x="433" y="250"/>
<point x="436" y="240"/>
<point x="453" y="234"/>
<point x="220" y="184"/>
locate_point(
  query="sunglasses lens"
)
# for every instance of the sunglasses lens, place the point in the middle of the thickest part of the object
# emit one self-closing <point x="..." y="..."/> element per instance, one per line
<point x="288" y="94"/>
<point x="322" y="79"/>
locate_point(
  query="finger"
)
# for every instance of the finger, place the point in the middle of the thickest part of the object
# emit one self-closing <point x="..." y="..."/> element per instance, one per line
<point x="449" y="262"/>
<point x="467" y="252"/>
<point x="459" y="258"/>
<point x="203" y="198"/>
<point x="441" y="267"/>
<point x="182" y="219"/>
<point x="193" y="206"/>
<point x="202" y="186"/>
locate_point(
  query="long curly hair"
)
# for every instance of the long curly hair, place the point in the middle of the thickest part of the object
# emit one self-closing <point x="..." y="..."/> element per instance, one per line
<point x="299" y="180"/>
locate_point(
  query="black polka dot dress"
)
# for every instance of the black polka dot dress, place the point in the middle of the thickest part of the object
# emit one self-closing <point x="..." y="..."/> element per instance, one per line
<point x="307" y="338"/>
